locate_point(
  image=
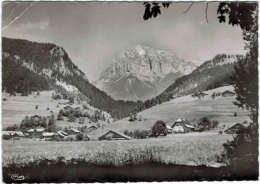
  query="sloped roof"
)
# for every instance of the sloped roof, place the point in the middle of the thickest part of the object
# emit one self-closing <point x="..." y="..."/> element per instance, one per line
<point x="48" y="134"/>
<point x="227" y="91"/>
<point x="234" y="128"/>
<point x="75" y="130"/>
<point x="39" y="129"/>
<point x="62" y="133"/>
<point x="117" y="133"/>
<point x="30" y="130"/>
<point x="11" y="133"/>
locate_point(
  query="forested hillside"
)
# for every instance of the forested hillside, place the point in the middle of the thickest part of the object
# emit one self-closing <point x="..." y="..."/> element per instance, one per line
<point x="211" y="74"/>
<point x="31" y="66"/>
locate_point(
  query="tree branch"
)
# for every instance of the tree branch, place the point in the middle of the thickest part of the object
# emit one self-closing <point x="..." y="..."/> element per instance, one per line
<point x="206" y="12"/>
<point x="185" y="11"/>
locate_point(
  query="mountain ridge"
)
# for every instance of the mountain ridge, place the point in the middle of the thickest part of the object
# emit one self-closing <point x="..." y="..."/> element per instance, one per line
<point x="151" y="69"/>
<point x="53" y="66"/>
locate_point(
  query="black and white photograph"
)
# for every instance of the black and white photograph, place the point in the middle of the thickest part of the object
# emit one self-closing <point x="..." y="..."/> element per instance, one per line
<point x="129" y="91"/>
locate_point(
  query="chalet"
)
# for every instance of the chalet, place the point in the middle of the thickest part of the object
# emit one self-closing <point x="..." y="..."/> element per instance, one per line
<point x="48" y="136"/>
<point x="72" y="131"/>
<point x="169" y="129"/>
<point x="91" y="128"/>
<point x="35" y="133"/>
<point x="62" y="134"/>
<point x="113" y="135"/>
<point x="12" y="134"/>
<point x="182" y="126"/>
<point x="227" y="93"/>
<point x="201" y="95"/>
<point x="235" y="129"/>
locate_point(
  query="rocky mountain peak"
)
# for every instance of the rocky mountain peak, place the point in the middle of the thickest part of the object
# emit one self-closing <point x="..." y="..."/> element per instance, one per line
<point x="147" y="65"/>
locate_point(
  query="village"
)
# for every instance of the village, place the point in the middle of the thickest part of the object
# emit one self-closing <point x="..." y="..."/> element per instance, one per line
<point x="46" y="128"/>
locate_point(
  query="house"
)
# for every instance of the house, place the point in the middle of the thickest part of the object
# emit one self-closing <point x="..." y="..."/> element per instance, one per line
<point x="72" y="131"/>
<point x="227" y="93"/>
<point x="182" y="126"/>
<point x="235" y="129"/>
<point x="199" y="95"/>
<point x="91" y="128"/>
<point x="12" y="134"/>
<point x="49" y="136"/>
<point x="62" y="134"/>
<point x="113" y="135"/>
<point x="35" y="133"/>
<point x="169" y="129"/>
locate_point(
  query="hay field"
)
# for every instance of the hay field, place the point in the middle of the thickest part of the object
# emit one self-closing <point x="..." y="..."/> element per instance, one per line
<point x="15" y="108"/>
<point x="187" y="149"/>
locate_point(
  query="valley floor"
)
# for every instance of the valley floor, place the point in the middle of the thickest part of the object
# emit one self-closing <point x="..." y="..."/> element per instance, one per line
<point x="184" y="149"/>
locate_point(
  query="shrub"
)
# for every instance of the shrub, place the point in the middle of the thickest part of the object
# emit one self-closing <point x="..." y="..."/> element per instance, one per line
<point x="241" y="154"/>
<point x="12" y="128"/>
<point x="79" y="137"/>
<point x="6" y="137"/>
<point x="60" y="115"/>
<point x="204" y="124"/>
<point x="214" y="124"/>
<point x="159" y="128"/>
<point x="235" y="114"/>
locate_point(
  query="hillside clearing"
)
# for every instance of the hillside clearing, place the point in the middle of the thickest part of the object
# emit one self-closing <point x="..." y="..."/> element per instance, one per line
<point x="221" y="109"/>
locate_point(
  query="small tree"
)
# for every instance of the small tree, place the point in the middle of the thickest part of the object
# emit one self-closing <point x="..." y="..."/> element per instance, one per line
<point x="79" y="137"/>
<point x="159" y="128"/>
<point x="60" y="115"/>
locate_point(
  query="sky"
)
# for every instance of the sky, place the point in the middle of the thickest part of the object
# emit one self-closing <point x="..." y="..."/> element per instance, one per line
<point x="93" y="33"/>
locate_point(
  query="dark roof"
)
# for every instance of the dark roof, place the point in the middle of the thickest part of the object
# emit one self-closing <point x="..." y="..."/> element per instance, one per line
<point x="116" y="133"/>
<point x="202" y="94"/>
<point x="183" y="123"/>
<point x="235" y="128"/>
<point x="228" y="92"/>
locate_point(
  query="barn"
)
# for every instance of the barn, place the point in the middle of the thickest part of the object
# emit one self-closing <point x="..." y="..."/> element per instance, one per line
<point x="113" y="135"/>
<point x="227" y="93"/>
<point x="48" y="136"/>
<point x="91" y="128"/>
<point x="235" y="129"/>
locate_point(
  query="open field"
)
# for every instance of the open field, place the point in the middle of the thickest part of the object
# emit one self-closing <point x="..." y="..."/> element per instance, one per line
<point x="186" y="149"/>
<point x="221" y="109"/>
<point x="15" y="108"/>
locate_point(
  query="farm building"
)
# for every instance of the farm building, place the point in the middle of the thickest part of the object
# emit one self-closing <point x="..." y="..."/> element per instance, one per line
<point x="72" y="131"/>
<point x="91" y="128"/>
<point x="12" y="134"/>
<point x="235" y="129"/>
<point x="48" y="136"/>
<point x="227" y="93"/>
<point x="182" y="126"/>
<point x="199" y="95"/>
<point x="35" y="133"/>
<point x="113" y="135"/>
<point x="169" y="129"/>
<point x="62" y="134"/>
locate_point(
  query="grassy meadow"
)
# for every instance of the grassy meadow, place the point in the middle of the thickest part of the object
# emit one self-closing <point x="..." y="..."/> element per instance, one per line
<point x="221" y="109"/>
<point x="183" y="149"/>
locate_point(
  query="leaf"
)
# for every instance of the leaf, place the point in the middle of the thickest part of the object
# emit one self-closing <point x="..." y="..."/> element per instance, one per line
<point x="222" y="18"/>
